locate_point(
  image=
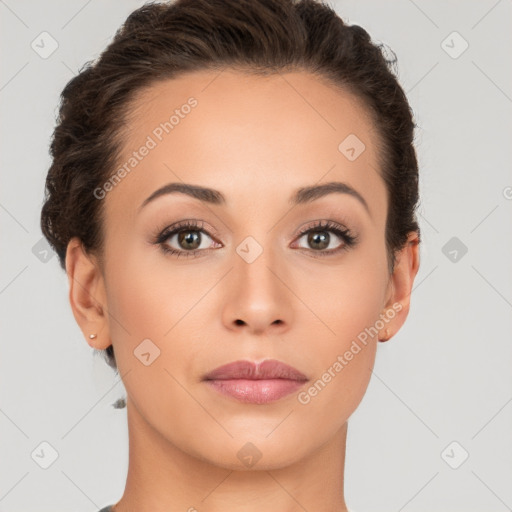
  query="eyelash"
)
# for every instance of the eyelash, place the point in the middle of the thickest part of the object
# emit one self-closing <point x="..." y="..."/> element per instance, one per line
<point x="349" y="240"/>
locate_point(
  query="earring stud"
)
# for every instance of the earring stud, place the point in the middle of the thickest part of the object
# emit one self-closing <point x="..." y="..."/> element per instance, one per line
<point x="92" y="336"/>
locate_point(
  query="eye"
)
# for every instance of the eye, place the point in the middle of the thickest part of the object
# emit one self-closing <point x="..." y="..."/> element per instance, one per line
<point x="187" y="238"/>
<point x="319" y="238"/>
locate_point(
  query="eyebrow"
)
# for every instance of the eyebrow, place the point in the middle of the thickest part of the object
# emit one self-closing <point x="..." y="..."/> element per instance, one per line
<point x="303" y="195"/>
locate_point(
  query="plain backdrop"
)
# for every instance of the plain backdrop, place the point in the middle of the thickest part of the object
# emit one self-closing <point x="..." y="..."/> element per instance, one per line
<point x="433" y="432"/>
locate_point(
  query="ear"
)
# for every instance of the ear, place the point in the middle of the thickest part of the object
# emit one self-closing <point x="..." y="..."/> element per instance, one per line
<point x="87" y="294"/>
<point x="400" y="287"/>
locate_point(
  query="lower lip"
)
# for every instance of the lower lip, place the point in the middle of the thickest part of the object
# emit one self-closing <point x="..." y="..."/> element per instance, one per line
<point x="256" y="391"/>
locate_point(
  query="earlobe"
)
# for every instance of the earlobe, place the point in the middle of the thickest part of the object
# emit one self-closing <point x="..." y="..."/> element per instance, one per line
<point x="401" y="283"/>
<point x="87" y="295"/>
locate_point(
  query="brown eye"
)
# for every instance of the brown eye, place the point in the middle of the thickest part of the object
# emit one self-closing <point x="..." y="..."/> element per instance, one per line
<point x="324" y="240"/>
<point x="327" y="238"/>
<point x="319" y="239"/>
<point x="188" y="239"/>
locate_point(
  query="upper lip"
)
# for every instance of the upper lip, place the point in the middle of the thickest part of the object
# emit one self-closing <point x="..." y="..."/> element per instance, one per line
<point x="267" y="369"/>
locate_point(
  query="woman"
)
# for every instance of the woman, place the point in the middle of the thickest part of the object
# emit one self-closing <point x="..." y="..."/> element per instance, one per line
<point x="232" y="195"/>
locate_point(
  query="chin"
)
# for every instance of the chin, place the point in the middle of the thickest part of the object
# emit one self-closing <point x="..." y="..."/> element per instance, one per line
<point x="250" y="453"/>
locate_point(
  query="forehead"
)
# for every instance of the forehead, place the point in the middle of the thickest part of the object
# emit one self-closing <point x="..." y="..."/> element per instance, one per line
<point x="247" y="134"/>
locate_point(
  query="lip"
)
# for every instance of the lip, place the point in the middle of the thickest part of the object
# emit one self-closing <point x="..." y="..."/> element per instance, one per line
<point x="267" y="369"/>
<point x="257" y="383"/>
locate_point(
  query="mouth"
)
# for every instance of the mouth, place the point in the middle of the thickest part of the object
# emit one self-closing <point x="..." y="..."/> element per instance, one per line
<point x="255" y="383"/>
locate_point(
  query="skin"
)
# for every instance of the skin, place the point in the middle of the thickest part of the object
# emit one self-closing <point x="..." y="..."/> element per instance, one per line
<point x="256" y="140"/>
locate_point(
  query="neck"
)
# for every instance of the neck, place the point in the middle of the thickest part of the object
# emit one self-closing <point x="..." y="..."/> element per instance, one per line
<point x="161" y="477"/>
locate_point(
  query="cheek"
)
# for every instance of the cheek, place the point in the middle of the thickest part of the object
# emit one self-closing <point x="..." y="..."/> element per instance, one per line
<point x="347" y="305"/>
<point x="343" y="361"/>
<point x="345" y="299"/>
<point x="147" y="303"/>
<point x="148" y="299"/>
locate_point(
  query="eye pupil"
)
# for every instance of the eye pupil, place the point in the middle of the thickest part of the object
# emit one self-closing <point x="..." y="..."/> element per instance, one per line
<point x="319" y="238"/>
<point x="192" y="237"/>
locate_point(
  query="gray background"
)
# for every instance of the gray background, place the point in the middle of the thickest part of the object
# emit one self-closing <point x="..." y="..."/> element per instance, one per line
<point x="445" y="377"/>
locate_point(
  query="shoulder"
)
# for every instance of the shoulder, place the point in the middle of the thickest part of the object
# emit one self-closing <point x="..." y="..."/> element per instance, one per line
<point x="106" y="509"/>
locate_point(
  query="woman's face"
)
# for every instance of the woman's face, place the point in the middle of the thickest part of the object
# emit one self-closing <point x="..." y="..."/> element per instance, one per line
<point x="254" y="288"/>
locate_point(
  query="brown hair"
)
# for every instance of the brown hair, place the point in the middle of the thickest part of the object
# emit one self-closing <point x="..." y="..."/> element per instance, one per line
<point x="160" y="41"/>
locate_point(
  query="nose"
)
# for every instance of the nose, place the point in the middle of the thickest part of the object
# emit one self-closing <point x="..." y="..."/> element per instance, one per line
<point x="258" y="298"/>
